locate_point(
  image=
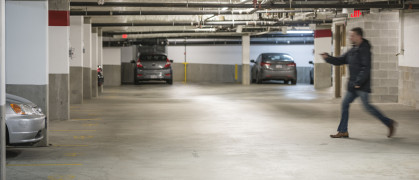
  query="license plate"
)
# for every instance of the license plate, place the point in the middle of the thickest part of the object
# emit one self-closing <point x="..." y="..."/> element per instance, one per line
<point x="278" y="66"/>
<point x="153" y="76"/>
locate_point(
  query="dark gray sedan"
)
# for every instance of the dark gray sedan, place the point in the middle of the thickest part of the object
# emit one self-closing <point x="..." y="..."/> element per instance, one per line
<point x="274" y="66"/>
<point x="25" y="121"/>
<point x="153" y="66"/>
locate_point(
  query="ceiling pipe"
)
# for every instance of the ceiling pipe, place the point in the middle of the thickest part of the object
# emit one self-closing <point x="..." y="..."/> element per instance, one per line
<point x="215" y="23"/>
<point x="203" y="12"/>
<point x="384" y="5"/>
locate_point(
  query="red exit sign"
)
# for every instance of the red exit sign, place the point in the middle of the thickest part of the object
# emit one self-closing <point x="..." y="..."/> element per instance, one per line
<point x="356" y="13"/>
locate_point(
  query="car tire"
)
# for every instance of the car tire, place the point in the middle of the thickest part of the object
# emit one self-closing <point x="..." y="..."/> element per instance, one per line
<point x="170" y="81"/>
<point x="286" y="82"/>
<point x="311" y="81"/>
<point x="258" y="79"/>
<point x="294" y="82"/>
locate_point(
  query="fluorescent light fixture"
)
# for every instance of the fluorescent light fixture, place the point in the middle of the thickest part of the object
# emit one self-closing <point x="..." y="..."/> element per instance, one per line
<point x="225" y="8"/>
<point x="206" y="30"/>
<point x="299" y="32"/>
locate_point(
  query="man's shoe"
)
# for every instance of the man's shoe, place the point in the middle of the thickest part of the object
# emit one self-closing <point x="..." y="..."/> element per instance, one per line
<point x="340" y="135"/>
<point x="392" y="129"/>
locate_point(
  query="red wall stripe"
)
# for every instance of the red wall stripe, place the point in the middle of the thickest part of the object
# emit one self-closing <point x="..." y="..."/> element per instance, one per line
<point x="322" y="33"/>
<point x="59" y="18"/>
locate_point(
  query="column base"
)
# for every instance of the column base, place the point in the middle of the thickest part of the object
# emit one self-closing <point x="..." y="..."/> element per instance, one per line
<point x="59" y="97"/>
<point x="322" y="75"/>
<point x="87" y="85"/>
<point x="76" y="85"/>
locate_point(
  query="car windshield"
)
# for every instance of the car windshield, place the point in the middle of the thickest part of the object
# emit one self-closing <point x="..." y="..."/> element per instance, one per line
<point x="277" y="57"/>
<point x="153" y="57"/>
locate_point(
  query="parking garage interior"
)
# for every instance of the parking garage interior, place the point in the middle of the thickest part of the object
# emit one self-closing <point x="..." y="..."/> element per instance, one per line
<point x="75" y="70"/>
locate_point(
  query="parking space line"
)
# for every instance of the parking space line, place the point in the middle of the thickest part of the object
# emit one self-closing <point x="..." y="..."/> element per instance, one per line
<point x="72" y="130"/>
<point x="96" y="119"/>
<point x="70" y="145"/>
<point x="44" y="164"/>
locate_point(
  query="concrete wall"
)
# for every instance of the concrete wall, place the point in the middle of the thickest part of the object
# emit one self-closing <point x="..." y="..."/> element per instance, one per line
<point x="382" y="29"/>
<point x="408" y="59"/>
<point x="127" y="69"/>
<point x="112" y="66"/>
<point x="217" y="63"/>
<point x="232" y="54"/>
<point x="220" y="73"/>
<point x="76" y="62"/>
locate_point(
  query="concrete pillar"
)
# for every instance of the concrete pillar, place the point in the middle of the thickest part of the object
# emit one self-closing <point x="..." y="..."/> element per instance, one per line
<point x="127" y="54"/>
<point x="112" y="66"/>
<point x="322" y="70"/>
<point x="95" y="52"/>
<point x="59" y="66"/>
<point x="2" y="94"/>
<point x="100" y="55"/>
<point x="246" y="60"/>
<point x="27" y="53"/>
<point x="76" y="61"/>
<point x="87" y="59"/>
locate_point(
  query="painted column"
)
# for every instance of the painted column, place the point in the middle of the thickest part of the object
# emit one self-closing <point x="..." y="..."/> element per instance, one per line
<point x="246" y="60"/>
<point x="87" y="59"/>
<point x="59" y="66"/>
<point x="95" y="52"/>
<point x="112" y="66"/>
<point x="2" y="93"/>
<point x="100" y="55"/>
<point x="322" y="70"/>
<point x="76" y="61"/>
<point x="27" y="67"/>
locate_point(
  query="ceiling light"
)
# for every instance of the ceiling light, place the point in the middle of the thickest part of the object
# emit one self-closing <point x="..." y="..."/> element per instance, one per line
<point x="225" y="8"/>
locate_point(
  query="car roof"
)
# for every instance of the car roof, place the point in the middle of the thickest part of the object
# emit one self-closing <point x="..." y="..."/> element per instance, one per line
<point x="141" y="54"/>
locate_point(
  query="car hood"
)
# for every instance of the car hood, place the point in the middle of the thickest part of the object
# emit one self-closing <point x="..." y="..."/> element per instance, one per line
<point x="10" y="98"/>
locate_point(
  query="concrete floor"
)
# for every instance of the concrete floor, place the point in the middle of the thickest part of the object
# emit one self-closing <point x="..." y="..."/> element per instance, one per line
<point x="212" y="132"/>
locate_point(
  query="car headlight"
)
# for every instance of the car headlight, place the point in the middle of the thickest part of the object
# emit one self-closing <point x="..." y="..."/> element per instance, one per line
<point x="24" y="109"/>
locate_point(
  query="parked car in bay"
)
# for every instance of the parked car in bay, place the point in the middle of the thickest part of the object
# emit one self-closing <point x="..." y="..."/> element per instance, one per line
<point x="153" y="66"/>
<point x="25" y="121"/>
<point x="274" y="66"/>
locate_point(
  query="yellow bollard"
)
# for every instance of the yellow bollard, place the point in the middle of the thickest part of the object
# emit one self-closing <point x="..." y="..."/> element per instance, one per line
<point x="185" y="63"/>
<point x="236" y="69"/>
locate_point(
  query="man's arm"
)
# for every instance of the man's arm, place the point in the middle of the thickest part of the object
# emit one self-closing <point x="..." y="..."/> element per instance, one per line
<point x="364" y="74"/>
<point x="335" y="60"/>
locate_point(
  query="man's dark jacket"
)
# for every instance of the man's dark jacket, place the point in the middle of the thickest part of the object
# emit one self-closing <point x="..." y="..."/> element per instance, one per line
<point x="359" y="60"/>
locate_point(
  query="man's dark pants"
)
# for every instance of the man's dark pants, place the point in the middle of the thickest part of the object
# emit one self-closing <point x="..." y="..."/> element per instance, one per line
<point x="349" y="98"/>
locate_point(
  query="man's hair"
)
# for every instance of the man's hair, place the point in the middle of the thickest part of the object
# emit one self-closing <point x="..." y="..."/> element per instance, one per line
<point x="358" y="31"/>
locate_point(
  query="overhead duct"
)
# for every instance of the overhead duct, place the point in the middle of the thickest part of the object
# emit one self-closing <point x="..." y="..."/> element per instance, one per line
<point x="384" y="5"/>
<point x="194" y="12"/>
<point x="215" y="23"/>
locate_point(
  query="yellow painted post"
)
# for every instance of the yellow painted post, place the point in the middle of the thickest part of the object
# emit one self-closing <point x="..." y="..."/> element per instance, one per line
<point x="236" y="69"/>
<point x="185" y="63"/>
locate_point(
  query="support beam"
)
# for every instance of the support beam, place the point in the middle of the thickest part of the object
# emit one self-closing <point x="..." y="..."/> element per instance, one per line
<point x="95" y="57"/>
<point x="29" y="58"/>
<point x="100" y="57"/>
<point x="87" y="59"/>
<point x="59" y="66"/>
<point x="322" y="70"/>
<point x="76" y="62"/>
<point x="2" y="93"/>
<point x="246" y="60"/>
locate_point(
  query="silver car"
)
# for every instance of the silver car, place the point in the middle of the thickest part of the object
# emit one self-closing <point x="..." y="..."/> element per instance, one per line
<point x="153" y="66"/>
<point x="24" y="121"/>
<point x="274" y="66"/>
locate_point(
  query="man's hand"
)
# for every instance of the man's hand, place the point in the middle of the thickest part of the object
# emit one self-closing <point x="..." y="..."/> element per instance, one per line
<point x="324" y="55"/>
<point x="357" y="87"/>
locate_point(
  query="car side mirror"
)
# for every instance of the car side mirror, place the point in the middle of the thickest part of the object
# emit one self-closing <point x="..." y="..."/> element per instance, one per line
<point x="132" y="61"/>
<point x="171" y="61"/>
<point x="310" y="62"/>
<point x="252" y="61"/>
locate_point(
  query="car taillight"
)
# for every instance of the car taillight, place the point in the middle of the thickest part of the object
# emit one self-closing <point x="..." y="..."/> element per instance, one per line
<point x="167" y="65"/>
<point x="291" y="64"/>
<point x="265" y="64"/>
<point x="139" y="65"/>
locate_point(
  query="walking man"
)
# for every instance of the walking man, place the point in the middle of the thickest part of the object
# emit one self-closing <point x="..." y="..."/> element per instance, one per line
<point x="359" y="85"/>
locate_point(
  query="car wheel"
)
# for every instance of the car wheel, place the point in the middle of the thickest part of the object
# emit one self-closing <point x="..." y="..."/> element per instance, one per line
<point x="294" y="82"/>
<point x="170" y="81"/>
<point x="311" y="81"/>
<point x="258" y="79"/>
<point x="286" y="82"/>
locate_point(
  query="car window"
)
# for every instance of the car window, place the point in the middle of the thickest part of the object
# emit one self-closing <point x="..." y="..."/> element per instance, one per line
<point x="277" y="57"/>
<point x="153" y="58"/>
